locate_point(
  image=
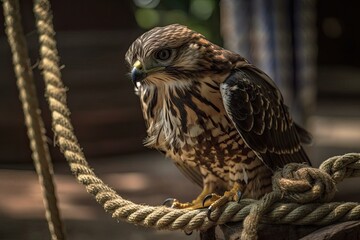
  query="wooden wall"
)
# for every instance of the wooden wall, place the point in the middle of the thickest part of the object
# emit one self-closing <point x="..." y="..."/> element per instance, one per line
<point x="92" y="41"/>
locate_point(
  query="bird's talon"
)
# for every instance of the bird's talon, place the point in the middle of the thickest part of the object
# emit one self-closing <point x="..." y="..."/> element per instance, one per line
<point x="239" y="194"/>
<point x="208" y="214"/>
<point x="207" y="197"/>
<point x="169" y="200"/>
<point x="188" y="233"/>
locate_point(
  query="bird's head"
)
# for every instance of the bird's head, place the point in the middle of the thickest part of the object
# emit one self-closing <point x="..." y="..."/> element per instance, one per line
<point x="173" y="54"/>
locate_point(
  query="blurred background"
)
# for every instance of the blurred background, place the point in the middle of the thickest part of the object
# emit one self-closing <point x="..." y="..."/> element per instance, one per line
<point x="310" y="49"/>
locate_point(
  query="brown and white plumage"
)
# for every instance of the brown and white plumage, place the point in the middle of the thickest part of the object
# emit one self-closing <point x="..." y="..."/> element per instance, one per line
<point x="221" y="119"/>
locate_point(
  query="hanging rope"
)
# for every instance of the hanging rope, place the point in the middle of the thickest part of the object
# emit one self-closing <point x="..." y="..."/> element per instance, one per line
<point x="298" y="190"/>
<point x="33" y="120"/>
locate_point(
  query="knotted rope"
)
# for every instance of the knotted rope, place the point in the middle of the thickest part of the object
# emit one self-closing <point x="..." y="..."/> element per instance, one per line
<point x="297" y="183"/>
<point x="297" y="198"/>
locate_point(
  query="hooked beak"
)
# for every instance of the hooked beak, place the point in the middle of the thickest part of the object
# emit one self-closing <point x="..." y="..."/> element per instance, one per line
<point x="137" y="73"/>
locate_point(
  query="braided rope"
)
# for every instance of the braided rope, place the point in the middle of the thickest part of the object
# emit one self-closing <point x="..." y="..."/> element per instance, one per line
<point x="289" y="185"/>
<point x="33" y="120"/>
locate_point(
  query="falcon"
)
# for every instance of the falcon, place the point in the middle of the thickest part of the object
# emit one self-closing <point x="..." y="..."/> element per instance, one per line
<point x="220" y="119"/>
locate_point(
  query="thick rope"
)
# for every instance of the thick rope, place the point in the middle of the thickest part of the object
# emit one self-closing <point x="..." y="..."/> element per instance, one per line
<point x="266" y="210"/>
<point x="302" y="184"/>
<point x="33" y="120"/>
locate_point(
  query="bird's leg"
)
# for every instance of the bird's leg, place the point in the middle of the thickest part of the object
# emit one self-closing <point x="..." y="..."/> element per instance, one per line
<point x="195" y="204"/>
<point x="214" y="201"/>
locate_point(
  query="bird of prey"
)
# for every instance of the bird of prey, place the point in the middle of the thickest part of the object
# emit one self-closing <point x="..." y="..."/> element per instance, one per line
<point x="218" y="117"/>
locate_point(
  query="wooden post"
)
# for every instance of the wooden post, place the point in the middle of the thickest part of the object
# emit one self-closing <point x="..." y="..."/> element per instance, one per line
<point x="339" y="231"/>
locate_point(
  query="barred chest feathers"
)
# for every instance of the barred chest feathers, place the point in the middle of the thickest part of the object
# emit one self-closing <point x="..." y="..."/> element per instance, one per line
<point x="183" y="118"/>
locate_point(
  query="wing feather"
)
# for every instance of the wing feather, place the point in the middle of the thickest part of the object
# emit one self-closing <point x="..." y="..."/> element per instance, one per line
<point x="257" y="110"/>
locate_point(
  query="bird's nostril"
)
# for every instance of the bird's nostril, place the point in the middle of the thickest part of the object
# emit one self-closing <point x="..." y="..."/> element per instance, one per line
<point x="138" y="65"/>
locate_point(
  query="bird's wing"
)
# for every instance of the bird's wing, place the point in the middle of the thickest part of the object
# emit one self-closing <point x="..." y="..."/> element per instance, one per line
<point x="256" y="108"/>
<point x="193" y="173"/>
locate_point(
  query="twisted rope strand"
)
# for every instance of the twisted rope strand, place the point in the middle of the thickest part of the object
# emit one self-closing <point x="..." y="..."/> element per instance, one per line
<point x="267" y="210"/>
<point x="33" y="121"/>
<point x="341" y="167"/>
<point x="302" y="184"/>
<point x="160" y="217"/>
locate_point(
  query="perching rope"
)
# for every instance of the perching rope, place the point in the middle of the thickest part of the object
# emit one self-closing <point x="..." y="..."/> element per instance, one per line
<point x="298" y="190"/>
<point x="33" y="120"/>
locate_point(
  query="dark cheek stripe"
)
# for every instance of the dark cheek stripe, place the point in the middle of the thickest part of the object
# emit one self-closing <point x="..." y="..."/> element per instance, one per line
<point x="183" y="114"/>
<point x="152" y="103"/>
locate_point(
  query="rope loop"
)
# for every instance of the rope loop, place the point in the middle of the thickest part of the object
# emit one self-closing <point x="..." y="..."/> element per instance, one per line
<point x="301" y="183"/>
<point x="341" y="167"/>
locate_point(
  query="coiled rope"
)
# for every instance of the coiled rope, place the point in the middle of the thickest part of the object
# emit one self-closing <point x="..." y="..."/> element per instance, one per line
<point x="300" y="193"/>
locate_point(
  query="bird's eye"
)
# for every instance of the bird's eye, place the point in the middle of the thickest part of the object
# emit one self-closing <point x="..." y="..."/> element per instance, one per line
<point x="163" y="54"/>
